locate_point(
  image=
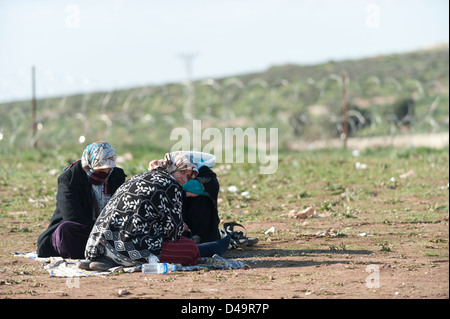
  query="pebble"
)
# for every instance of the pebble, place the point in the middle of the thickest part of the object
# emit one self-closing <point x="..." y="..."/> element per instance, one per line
<point x="123" y="292"/>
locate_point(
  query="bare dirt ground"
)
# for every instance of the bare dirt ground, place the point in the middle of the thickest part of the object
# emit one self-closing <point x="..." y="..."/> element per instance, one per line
<point x="371" y="261"/>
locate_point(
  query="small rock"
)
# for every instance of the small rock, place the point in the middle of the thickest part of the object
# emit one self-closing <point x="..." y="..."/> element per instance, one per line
<point x="54" y="172"/>
<point x="232" y="189"/>
<point x="123" y="292"/>
<point x="410" y="173"/>
<point x="359" y="165"/>
<point x="303" y="214"/>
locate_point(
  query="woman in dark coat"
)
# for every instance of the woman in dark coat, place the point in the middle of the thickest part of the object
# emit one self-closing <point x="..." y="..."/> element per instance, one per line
<point x="200" y="211"/>
<point x="200" y="206"/>
<point x="84" y="188"/>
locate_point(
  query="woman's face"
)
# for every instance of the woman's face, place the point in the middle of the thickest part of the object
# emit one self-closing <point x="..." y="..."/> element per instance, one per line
<point x="102" y="170"/>
<point x="105" y="170"/>
<point x="183" y="177"/>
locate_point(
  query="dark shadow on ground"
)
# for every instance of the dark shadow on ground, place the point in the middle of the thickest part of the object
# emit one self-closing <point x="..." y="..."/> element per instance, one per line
<point x="255" y="258"/>
<point x="255" y="252"/>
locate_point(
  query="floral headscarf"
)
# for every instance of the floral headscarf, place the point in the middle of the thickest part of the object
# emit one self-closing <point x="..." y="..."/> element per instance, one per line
<point x="99" y="155"/>
<point x="175" y="161"/>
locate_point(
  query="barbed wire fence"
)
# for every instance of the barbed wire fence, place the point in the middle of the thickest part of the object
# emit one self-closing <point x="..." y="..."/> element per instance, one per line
<point x="303" y="110"/>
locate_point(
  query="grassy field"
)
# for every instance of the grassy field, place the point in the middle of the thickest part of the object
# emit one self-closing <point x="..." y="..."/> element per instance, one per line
<point x="303" y="102"/>
<point x="390" y="210"/>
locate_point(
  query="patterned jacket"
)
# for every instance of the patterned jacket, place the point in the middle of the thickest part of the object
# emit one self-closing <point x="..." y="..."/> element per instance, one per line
<point x="143" y="212"/>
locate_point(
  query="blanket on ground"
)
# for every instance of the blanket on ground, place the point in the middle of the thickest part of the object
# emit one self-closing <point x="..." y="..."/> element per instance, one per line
<point x="60" y="267"/>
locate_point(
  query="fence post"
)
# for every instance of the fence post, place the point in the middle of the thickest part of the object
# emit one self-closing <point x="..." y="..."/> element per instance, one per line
<point x="33" y="106"/>
<point x="344" y="110"/>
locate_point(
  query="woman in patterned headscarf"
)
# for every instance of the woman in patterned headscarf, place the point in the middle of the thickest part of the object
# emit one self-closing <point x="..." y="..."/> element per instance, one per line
<point x="84" y="188"/>
<point x="98" y="161"/>
<point x="178" y="164"/>
<point x="144" y="219"/>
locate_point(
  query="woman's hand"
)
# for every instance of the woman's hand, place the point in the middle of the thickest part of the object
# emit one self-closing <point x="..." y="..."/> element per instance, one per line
<point x="189" y="194"/>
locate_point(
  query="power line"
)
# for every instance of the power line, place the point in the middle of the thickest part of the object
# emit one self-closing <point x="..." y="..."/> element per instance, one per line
<point x="188" y="108"/>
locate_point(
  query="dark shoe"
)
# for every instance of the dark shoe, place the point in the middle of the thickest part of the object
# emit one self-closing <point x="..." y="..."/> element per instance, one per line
<point x="102" y="263"/>
<point x="84" y="264"/>
<point x="238" y="238"/>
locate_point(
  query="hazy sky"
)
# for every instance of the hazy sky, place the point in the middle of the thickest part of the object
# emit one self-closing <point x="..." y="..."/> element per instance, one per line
<point x="91" y="45"/>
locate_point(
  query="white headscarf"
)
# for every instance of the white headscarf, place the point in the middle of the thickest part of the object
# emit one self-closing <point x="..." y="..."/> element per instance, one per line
<point x="175" y="161"/>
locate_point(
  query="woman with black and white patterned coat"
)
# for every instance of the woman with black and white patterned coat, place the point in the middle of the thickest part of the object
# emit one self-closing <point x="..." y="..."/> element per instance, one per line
<point x="144" y="219"/>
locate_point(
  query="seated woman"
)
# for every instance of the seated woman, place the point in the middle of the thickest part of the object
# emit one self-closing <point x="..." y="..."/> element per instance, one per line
<point x="200" y="206"/>
<point x="144" y="219"/>
<point x="84" y="188"/>
<point x="200" y="212"/>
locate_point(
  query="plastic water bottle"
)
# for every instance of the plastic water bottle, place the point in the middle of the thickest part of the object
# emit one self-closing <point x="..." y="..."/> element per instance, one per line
<point x="159" y="268"/>
<point x="153" y="259"/>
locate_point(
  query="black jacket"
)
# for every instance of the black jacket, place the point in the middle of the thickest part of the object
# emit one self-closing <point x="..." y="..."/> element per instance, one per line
<point x="74" y="202"/>
<point x="200" y="213"/>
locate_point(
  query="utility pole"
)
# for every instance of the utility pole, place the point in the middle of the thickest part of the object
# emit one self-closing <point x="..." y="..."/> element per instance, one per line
<point x="33" y="106"/>
<point x="188" y="110"/>
<point x="344" y="110"/>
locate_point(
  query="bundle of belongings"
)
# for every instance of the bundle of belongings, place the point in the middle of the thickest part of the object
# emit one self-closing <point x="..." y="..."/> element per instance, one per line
<point x="60" y="267"/>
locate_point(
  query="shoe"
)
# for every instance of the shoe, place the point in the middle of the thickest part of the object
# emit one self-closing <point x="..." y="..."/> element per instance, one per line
<point x="84" y="264"/>
<point x="102" y="263"/>
<point x="238" y="238"/>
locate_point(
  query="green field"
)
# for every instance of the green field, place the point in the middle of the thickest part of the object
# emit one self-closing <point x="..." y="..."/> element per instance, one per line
<point x="372" y="216"/>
